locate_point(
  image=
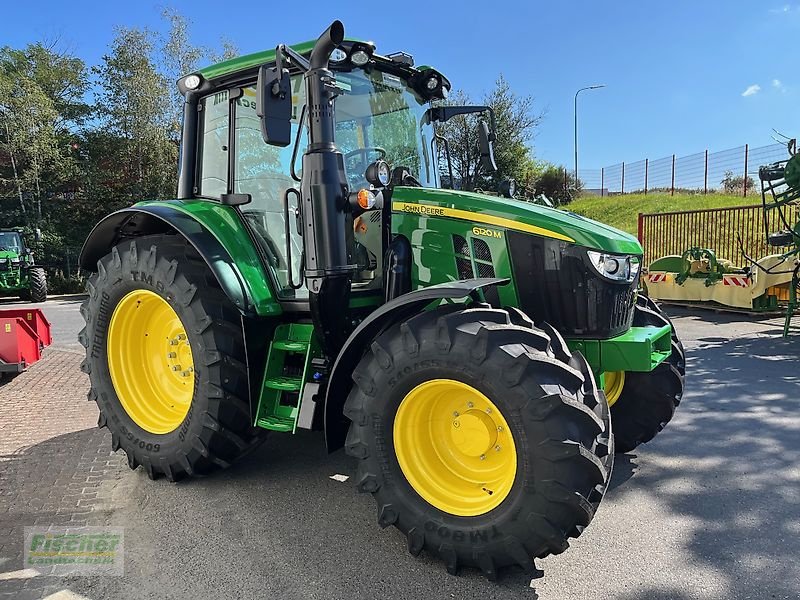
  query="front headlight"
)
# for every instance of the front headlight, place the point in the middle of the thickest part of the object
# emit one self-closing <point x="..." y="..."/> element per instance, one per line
<point x="15" y="260"/>
<point x="619" y="267"/>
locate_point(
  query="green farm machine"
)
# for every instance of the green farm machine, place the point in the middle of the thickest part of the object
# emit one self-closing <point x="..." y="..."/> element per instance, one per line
<point x="314" y="274"/>
<point x="19" y="276"/>
<point x="780" y="188"/>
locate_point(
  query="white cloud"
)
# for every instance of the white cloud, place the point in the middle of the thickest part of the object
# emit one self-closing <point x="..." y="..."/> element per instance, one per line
<point x="778" y="85"/>
<point x="752" y="90"/>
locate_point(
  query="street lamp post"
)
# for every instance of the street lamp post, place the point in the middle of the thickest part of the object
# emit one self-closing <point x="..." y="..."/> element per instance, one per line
<point x="590" y="87"/>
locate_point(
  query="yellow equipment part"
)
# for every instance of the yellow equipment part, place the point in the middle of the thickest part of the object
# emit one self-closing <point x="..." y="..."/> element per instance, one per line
<point x="150" y="361"/>
<point x="734" y="290"/>
<point x="614" y="382"/>
<point x="454" y="447"/>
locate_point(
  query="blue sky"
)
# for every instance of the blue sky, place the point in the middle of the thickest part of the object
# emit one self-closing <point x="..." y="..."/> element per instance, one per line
<point x="682" y="75"/>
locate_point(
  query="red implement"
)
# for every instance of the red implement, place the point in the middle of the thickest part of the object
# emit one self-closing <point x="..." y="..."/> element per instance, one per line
<point x="23" y="335"/>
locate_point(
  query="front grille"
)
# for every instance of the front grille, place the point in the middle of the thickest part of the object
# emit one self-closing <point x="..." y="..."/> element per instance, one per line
<point x="556" y="283"/>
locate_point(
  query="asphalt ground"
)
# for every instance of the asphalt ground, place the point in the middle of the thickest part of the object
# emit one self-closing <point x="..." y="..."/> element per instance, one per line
<point x="709" y="509"/>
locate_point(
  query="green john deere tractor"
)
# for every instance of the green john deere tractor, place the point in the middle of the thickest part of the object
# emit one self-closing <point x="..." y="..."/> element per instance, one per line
<point x="312" y="274"/>
<point x="19" y="276"/>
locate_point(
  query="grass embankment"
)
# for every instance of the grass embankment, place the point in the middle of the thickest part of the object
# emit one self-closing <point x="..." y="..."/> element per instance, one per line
<point x="622" y="212"/>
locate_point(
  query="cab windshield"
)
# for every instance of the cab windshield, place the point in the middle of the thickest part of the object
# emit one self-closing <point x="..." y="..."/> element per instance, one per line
<point x="10" y="240"/>
<point x="378" y="115"/>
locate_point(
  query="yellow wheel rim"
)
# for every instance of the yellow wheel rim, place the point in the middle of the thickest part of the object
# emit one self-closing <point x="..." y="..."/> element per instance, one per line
<point x="455" y="447"/>
<point x="150" y="361"/>
<point x="614" y="382"/>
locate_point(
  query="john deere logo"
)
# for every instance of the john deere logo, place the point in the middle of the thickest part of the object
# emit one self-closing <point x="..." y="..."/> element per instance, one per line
<point x="492" y="233"/>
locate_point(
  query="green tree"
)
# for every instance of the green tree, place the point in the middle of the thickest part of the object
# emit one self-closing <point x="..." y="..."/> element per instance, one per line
<point x="515" y="121"/>
<point x="41" y="105"/>
<point x="134" y="103"/>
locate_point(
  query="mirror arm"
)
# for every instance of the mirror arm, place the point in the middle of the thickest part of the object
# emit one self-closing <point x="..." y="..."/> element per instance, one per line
<point x="284" y="52"/>
<point x="445" y="113"/>
<point x="445" y="144"/>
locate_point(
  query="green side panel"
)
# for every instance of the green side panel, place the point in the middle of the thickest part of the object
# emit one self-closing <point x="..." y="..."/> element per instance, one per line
<point x="668" y="264"/>
<point x="536" y="219"/>
<point x="281" y="391"/>
<point x="435" y="258"/>
<point x="224" y="224"/>
<point x="639" y="349"/>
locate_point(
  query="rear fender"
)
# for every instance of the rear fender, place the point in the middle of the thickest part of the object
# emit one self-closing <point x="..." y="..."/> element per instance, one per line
<point x="215" y="231"/>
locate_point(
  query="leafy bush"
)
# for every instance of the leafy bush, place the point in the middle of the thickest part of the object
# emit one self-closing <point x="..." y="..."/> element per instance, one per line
<point x="550" y="180"/>
<point x="734" y="184"/>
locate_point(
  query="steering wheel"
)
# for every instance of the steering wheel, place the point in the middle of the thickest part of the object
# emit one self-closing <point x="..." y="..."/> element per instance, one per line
<point x="356" y="172"/>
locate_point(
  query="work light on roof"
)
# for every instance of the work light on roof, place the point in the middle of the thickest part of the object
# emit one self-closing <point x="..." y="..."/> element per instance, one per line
<point x="192" y="82"/>
<point x="359" y="58"/>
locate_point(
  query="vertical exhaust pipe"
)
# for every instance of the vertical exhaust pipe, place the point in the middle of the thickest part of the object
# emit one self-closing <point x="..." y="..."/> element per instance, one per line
<point x="323" y="205"/>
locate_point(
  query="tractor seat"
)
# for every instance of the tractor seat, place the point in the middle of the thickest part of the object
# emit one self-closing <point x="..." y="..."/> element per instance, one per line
<point x="781" y="238"/>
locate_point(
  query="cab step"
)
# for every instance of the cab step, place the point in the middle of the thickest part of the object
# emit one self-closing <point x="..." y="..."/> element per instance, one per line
<point x="288" y="360"/>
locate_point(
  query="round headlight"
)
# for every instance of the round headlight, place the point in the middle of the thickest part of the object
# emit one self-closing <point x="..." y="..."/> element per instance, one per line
<point x="611" y="265"/>
<point x="338" y="55"/>
<point x="378" y="173"/>
<point x="432" y="83"/>
<point x="359" y="58"/>
<point x="384" y="174"/>
<point x="192" y="82"/>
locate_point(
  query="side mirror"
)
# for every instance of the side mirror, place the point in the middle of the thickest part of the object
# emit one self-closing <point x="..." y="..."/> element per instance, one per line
<point x="274" y="105"/>
<point x="487" y="152"/>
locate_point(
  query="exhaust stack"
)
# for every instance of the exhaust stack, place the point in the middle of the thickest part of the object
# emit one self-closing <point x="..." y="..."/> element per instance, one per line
<point x="323" y="204"/>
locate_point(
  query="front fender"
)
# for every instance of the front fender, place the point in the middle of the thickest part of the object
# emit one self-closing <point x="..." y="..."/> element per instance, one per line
<point x="392" y="312"/>
<point x="216" y="233"/>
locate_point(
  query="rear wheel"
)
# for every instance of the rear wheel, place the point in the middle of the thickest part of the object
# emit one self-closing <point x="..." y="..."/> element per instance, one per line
<point x="643" y="403"/>
<point x="38" y="284"/>
<point x="165" y="357"/>
<point x="480" y="437"/>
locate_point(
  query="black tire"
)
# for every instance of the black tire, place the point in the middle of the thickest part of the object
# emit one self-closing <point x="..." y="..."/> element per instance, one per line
<point x="648" y="400"/>
<point x="217" y="430"/>
<point x="38" y="284"/>
<point x="559" y="419"/>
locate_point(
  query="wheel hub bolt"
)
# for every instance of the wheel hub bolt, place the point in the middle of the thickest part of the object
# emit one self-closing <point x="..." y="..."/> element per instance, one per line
<point x="455" y="413"/>
<point x="470" y="405"/>
<point x="181" y="336"/>
<point x="176" y="367"/>
<point x="497" y="448"/>
<point x="499" y="428"/>
<point x="483" y="457"/>
<point x="171" y="355"/>
<point x="488" y="411"/>
<point x="173" y="342"/>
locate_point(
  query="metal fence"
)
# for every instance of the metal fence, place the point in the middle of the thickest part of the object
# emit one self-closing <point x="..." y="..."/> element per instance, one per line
<point x="703" y="172"/>
<point x="718" y="229"/>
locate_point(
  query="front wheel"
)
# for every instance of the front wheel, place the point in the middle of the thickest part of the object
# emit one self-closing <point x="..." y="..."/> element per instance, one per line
<point x="165" y="358"/>
<point x="643" y="403"/>
<point x="37" y="291"/>
<point x="484" y="441"/>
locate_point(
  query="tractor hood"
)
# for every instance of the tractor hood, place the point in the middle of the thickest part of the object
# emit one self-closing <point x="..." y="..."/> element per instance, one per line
<point x="506" y="213"/>
<point x="12" y="254"/>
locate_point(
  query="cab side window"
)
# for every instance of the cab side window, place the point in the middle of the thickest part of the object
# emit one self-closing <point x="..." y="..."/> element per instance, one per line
<point x="213" y="160"/>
